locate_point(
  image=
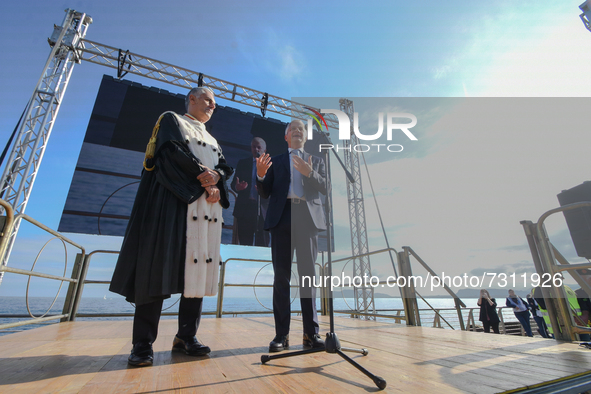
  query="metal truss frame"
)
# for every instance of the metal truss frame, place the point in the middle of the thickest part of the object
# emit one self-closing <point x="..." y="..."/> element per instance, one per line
<point x="33" y="133"/>
<point x="133" y="63"/>
<point x="364" y="295"/>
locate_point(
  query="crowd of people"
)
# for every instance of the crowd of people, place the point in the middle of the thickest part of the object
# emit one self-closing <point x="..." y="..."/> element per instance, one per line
<point x="534" y="306"/>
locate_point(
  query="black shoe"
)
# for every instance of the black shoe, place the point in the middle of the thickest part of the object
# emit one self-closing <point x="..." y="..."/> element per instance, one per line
<point x="141" y="355"/>
<point x="279" y="343"/>
<point x="313" y="341"/>
<point x="192" y="347"/>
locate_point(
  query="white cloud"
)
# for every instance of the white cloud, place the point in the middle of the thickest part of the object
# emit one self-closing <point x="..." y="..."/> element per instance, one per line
<point x="521" y="49"/>
<point x="292" y="63"/>
<point x="276" y="55"/>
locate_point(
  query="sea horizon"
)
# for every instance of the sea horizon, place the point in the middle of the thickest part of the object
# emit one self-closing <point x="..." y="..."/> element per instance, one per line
<point x="232" y="306"/>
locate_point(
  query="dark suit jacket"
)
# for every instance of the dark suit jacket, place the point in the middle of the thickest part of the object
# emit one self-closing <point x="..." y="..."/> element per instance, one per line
<point x="275" y="186"/>
<point x="244" y="207"/>
<point x="488" y="312"/>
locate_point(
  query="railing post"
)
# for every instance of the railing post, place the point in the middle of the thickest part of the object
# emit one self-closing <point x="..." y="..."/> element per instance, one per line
<point x="220" y="306"/>
<point x="72" y="289"/>
<point x="458" y="304"/>
<point x="409" y="298"/>
<point x="7" y="225"/>
<point x="436" y="320"/>
<point x="471" y="322"/>
<point x="502" y="321"/>
<point x="83" y="260"/>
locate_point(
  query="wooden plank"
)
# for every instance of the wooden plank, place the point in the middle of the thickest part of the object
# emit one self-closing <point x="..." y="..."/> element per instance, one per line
<point x="458" y="359"/>
<point x="56" y="365"/>
<point x="416" y="367"/>
<point x="91" y="357"/>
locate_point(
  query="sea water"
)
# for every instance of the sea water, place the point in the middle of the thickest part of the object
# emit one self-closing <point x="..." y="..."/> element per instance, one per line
<point x="113" y="304"/>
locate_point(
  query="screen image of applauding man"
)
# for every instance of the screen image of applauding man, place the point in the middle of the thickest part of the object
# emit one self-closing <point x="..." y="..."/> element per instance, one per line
<point x="250" y="209"/>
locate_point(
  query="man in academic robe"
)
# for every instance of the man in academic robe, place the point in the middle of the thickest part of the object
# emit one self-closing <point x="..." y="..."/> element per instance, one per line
<point x="293" y="182"/>
<point x="250" y="209"/>
<point x="172" y="241"/>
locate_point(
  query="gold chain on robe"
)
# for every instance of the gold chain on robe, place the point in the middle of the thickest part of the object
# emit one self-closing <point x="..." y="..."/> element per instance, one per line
<point x="151" y="148"/>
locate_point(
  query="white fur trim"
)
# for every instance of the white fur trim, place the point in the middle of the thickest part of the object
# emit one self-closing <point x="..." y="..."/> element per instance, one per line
<point x="203" y="235"/>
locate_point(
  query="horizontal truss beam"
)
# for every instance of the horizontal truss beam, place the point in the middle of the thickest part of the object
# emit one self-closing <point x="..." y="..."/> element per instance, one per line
<point x="133" y="63"/>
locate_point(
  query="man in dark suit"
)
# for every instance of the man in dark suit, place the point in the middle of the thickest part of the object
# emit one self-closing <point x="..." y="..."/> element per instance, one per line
<point x="250" y="209"/>
<point x="293" y="182"/>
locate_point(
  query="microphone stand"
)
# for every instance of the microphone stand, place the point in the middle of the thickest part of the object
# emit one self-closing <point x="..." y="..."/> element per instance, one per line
<point x="332" y="343"/>
<point x="259" y="237"/>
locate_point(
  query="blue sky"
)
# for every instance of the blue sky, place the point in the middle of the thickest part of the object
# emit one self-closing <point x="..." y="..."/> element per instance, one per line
<point x="310" y="49"/>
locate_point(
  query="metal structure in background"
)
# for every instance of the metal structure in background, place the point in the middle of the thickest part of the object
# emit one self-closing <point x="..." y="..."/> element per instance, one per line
<point x="132" y="63"/>
<point x="545" y="256"/>
<point x="364" y="295"/>
<point x="25" y="158"/>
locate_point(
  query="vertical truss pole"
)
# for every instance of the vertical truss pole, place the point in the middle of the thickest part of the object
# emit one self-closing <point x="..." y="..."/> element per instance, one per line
<point x="27" y="152"/>
<point x="364" y="295"/>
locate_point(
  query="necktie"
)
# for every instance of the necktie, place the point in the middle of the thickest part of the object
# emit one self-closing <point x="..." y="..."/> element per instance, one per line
<point x="253" y="180"/>
<point x="298" y="179"/>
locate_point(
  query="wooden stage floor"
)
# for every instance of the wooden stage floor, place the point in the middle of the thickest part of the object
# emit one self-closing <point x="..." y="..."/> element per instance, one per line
<point x="91" y="357"/>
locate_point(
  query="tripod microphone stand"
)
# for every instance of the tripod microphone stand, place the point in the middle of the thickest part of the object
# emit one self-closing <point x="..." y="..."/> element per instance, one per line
<point x="332" y="343"/>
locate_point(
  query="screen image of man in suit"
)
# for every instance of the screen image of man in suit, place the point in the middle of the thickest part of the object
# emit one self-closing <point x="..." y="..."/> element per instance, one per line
<point x="250" y="209"/>
<point x="293" y="182"/>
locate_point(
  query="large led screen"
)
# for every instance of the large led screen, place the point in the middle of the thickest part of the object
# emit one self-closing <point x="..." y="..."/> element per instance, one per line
<point x="109" y="167"/>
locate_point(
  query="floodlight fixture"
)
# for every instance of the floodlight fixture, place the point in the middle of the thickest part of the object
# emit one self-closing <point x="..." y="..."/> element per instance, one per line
<point x="586" y="15"/>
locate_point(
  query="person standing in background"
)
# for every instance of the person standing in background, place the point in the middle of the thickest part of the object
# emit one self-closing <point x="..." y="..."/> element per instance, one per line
<point x="521" y="311"/>
<point x="250" y="209"/>
<point x="488" y="312"/>
<point x="538" y="316"/>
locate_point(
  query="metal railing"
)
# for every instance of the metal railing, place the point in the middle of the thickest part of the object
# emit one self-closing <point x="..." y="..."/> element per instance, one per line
<point x="69" y="308"/>
<point x="78" y="280"/>
<point x="472" y="326"/>
<point x="545" y="256"/>
<point x="222" y="285"/>
<point x="437" y="315"/>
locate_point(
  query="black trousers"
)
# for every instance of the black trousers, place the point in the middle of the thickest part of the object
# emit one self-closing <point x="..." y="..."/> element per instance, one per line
<point x="488" y="324"/>
<point x="250" y="231"/>
<point x="147" y="316"/>
<point x="295" y="232"/>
